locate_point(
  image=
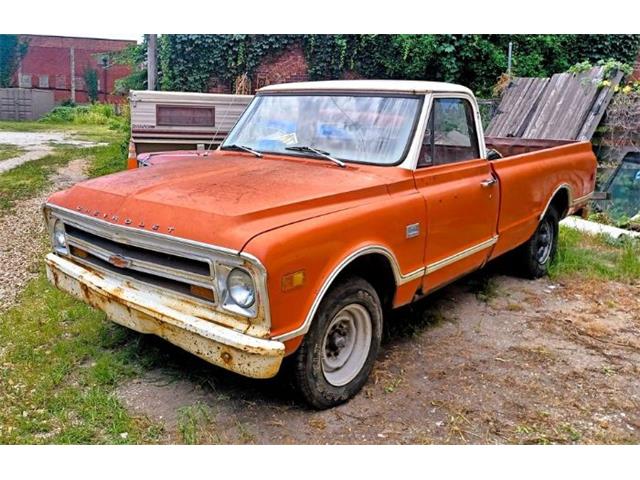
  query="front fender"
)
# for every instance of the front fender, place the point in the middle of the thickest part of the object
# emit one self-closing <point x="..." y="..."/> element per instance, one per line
<point x="323" y="246"/>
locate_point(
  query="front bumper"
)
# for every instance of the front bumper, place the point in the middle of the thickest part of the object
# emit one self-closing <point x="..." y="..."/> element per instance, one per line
<point x="129" y="305"/>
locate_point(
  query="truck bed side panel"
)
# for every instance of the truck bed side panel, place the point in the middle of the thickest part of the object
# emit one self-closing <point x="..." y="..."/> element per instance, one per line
<point x="529" y="181"/>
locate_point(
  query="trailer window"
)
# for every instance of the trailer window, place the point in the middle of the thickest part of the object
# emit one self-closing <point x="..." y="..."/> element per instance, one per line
<point x="451" y="133"/>
<point x="184" y="116"/>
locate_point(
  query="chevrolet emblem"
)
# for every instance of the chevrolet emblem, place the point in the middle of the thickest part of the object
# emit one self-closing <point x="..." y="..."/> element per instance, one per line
<point x="119" y="261"/>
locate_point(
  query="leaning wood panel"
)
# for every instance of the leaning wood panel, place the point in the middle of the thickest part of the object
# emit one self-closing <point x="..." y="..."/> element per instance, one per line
<point x="515" y="107"/>
<point x="598" y="109"/>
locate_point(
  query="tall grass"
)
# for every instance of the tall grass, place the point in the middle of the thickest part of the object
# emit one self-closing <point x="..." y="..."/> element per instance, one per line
<point x="596" y="257"/>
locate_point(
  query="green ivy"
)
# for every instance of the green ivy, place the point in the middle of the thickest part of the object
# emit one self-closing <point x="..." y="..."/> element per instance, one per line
<point x="190" y="62"/>
<point x="91" y="83"/>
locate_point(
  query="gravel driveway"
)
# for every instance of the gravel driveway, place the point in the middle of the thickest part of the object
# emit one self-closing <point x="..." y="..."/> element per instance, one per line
<point x="23" y="235"/>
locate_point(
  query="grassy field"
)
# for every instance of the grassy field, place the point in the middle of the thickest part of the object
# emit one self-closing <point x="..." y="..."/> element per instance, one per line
<point x="9" y="151"/>
<point x="596" y="257"/>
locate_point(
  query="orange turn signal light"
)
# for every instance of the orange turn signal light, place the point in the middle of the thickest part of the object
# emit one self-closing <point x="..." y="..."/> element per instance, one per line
<point x="202" y="292"/>
<point x="292" y="280"/>
<point x="78" y="252"/>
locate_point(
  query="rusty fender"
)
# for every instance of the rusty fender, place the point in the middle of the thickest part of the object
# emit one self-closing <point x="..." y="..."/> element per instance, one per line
<point x="143" y="312"/>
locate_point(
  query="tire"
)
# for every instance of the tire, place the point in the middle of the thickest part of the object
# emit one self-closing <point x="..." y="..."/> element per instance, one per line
<point x="338" y="352"/>
<point x="534" y="257"/>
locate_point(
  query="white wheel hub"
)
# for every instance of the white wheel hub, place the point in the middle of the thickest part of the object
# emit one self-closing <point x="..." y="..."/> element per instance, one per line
<point x="346" y="344"/>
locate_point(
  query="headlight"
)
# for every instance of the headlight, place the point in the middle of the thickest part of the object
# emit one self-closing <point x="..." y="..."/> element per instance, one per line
<point x="59" y="238"/>
<point x="241" y="288"/>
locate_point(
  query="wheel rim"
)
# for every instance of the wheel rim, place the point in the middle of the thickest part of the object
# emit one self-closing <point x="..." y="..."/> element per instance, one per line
<point x="544" y="242"/>
<point x="346" y="344"/>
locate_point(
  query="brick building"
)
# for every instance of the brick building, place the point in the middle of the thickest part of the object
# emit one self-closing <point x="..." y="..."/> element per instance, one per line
<point x="58" y="64"/>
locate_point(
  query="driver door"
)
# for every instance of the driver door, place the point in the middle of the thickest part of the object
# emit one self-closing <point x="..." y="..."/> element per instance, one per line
<point x="460" y="192"/>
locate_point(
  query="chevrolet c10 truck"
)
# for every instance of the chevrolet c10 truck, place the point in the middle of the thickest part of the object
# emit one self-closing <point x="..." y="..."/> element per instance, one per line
<point x="328" y="205"/>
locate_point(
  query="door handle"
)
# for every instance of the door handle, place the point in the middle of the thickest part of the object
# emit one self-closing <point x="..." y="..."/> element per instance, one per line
<point x="489" y="182"/>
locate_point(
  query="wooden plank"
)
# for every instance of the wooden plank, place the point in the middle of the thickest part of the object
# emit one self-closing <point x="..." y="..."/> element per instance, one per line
<point x="564" y="105"/>
<point x="595" y="114"/>
<point x="515" y="106"/>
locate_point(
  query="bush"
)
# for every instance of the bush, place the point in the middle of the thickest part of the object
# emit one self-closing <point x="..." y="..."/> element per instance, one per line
<point x="94" y="114"/>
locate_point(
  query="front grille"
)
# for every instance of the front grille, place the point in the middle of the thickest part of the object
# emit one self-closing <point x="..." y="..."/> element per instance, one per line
<point x="164" y="270"/>
<point x="141" y="254"/>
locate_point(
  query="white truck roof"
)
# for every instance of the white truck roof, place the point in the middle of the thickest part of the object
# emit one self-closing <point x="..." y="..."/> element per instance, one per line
<point x="398" y="86"/>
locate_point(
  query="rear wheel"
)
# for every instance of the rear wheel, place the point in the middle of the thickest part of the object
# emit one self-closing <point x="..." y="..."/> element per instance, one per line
<point x="535" y="256"/>
<point x="338" y="352"/>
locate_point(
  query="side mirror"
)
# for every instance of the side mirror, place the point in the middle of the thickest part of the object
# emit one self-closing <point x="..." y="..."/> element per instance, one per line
<point x="493" y="154"/>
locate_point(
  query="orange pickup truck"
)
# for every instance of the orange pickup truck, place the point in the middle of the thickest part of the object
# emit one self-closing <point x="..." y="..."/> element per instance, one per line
<point x="328" y="204"/>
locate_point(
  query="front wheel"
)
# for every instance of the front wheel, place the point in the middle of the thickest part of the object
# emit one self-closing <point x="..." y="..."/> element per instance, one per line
<point x="535" y="256"/>
<point x="338" y="353"/>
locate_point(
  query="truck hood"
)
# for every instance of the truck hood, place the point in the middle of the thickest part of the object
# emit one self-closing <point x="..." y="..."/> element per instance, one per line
<point x="225" y="198"/>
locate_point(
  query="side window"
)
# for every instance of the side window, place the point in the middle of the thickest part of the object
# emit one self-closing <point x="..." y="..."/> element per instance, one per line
<point x="450" y="135"/>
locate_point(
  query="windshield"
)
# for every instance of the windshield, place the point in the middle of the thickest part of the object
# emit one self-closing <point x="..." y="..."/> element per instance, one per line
<point x="370" y="129"/>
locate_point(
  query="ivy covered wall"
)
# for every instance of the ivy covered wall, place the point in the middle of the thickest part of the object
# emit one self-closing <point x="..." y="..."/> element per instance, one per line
<point x="190" y="62"/>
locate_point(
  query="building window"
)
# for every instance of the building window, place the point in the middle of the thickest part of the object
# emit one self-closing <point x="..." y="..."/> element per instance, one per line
<point x="43" y="81"/>
<point x="25" y="81"/>
<point x="61" y="82"/>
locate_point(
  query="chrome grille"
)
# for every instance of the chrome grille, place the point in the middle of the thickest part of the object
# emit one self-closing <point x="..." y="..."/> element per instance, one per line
<point x="160" y="269"/>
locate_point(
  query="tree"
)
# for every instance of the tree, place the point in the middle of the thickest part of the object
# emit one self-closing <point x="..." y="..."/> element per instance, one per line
<point x="12" y="50"/>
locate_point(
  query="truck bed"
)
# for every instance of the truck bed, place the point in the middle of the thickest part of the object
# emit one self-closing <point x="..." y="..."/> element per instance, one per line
<point x="509" y="146"/>
<point x="533" y="173"/>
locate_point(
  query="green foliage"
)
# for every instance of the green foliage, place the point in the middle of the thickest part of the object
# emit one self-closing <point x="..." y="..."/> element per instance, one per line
<point x="610" y="66"/>
<point x="11" y="52"/>
<point x="91" y="83"/>
<point x="135" y="56"/>
<point x="95" y="114"/>
<point x="596" y="257"/>
<point x="191" y="62"/>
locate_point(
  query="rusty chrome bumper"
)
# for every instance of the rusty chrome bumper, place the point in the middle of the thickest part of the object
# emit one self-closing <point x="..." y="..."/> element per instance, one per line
<point x="143" y="312"/>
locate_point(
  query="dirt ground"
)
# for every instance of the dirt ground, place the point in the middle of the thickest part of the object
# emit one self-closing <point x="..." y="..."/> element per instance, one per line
<point x="490" y="359"/>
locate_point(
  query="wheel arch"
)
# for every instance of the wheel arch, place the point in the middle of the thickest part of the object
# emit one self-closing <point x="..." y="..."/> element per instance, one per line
<point x="366" y="262"/>
<point x="560" y="200"/>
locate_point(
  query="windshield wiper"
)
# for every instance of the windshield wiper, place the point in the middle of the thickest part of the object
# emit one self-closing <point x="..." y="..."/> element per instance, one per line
<point x="235" y="146"/>
<point x="327" y="155"/>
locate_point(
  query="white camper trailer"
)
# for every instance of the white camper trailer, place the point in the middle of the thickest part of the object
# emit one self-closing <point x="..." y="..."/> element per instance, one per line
<point x="162" y="121"/>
